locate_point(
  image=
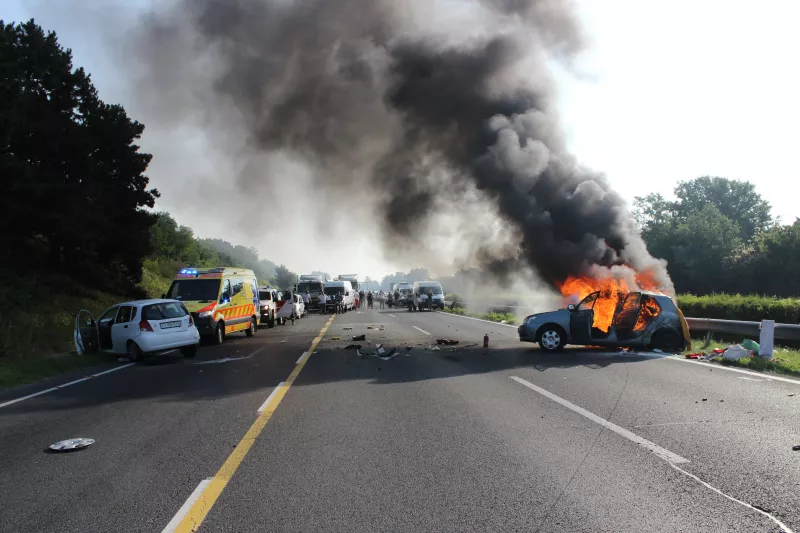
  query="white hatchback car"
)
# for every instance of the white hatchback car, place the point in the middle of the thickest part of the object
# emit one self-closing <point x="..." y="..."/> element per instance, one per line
<point x="138" y="329"/>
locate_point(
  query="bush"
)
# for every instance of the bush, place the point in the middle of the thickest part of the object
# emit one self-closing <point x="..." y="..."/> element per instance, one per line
<point x="738" y="307"/>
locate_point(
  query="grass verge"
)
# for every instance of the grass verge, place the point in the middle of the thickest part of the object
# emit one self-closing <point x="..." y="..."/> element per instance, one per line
<point x="506" y="318"/>
<point x="784" y="360"/>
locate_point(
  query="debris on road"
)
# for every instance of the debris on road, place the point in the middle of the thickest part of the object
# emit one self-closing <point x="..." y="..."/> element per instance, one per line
<point x="346" y="328"/>
<point x="446" y="342"/>
<point x="71" y="445"/>
<point x="796" y="448"/>
<point x="352" y="347"/>
<point x="358" y="338"/>
<point x="284" y="340"/>
<point x="705" y="399"/>
<point x="735" y="352"/>
<point x="336" y="338"/>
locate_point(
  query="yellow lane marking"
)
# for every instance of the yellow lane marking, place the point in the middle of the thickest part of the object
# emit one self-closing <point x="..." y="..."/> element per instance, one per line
<point x="201" y="507"/>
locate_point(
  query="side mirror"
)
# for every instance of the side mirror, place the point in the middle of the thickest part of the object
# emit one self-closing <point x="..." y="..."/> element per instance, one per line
<point x="571" y="307"/>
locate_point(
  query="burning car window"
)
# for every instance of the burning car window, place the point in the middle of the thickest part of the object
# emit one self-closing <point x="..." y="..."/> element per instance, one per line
<point x="650" y="310"/>
<point x="588" y="302"/>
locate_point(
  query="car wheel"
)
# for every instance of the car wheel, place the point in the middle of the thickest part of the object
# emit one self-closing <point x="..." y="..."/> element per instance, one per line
<point x="552" y="339"/>
<point x="134" y="352"/>
<point x="189" y="351"/>
<point x="219" y="334"/>
<point x="667" y="341"/>
<point x="252" y="329"/>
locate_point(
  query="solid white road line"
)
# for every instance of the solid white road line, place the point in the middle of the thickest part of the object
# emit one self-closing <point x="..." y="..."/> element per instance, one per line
<point x="420" y="329"/>
<point x="173" y="524"/>
<point x="670" y="457"/>
<point x="780" y="524"/>
<point x="273" y="393"/>
<point x="65" y="385"/>
<point x="653" y="447"/>
<point x="739" y="370"/>
<point x="302" y="358"/>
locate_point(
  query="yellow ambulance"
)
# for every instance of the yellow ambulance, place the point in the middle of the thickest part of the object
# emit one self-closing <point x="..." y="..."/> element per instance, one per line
<point x="222" y="300"/>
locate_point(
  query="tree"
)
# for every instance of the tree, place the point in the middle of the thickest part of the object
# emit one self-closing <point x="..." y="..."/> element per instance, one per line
<point x="284" y="277"/>
<point x="770" y="265"/>
<point x="737" y="200"/>
<point x="74" y="182"/>
<point x="702" y="251"/>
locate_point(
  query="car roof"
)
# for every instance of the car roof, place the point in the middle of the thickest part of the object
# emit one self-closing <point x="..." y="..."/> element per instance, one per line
<point x="148" y="302"/>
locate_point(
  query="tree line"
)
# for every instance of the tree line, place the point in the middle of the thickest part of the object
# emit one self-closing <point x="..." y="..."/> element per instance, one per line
<point x="719" y="235"/>
<point x="76" y="198"/>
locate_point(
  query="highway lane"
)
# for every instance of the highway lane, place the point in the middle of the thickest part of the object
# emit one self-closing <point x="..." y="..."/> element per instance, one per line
<point x="160" y="426"/>
<point x="429" y="440"/>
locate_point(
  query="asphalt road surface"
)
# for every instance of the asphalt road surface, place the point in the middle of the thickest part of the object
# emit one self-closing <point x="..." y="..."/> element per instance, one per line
<point x="448" y="440"/>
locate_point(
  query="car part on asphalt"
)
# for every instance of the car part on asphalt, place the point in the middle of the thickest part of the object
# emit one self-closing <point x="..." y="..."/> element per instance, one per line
<point x="71" y="445"/>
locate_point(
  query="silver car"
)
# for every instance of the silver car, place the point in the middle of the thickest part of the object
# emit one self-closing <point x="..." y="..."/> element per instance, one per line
<point x="646" y="320"/>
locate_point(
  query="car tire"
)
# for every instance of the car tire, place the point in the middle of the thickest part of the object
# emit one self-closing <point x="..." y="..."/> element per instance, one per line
<point x="135" y="353"/>
<point x="189" y="351"/>
<point x="219" y="334"/>
<point x="252" y="329"/>
<point x="667" y="341"/>
<point x="552" y="338"/>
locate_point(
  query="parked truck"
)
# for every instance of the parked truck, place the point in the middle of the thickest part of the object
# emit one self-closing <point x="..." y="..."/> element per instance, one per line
<point x="313" y="284"/>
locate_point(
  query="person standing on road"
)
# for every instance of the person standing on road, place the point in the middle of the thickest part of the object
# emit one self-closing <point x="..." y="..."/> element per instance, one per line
<point x="430" y="299"/>
<point x="369" y="299"/>
<point x="306" y="299"/>
<point x="381" y="298"/>
<point x="323" y="302"/>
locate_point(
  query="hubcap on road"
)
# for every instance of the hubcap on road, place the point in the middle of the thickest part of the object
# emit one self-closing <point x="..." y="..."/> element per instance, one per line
<point x="551" y="339"/>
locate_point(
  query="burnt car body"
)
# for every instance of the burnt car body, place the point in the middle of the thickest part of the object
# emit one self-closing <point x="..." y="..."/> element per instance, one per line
<point x="647" y="320"/>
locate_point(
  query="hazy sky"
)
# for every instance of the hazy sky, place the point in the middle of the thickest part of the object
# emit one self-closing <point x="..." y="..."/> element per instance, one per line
<point x="668" y="90"/>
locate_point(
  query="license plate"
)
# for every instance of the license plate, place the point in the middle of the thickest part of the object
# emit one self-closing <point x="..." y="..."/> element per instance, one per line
<point x="168" y="325"/>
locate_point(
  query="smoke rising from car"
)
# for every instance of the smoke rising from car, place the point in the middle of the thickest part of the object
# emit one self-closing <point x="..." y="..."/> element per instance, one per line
<point x="416" y="121"/>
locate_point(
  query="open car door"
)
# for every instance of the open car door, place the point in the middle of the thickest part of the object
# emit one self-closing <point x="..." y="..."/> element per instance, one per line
<point x="580" y="320"/>
<point x="87" y="337"/>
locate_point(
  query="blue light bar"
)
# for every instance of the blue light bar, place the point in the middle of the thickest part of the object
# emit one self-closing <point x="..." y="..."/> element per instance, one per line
<point x="190" y="271"/>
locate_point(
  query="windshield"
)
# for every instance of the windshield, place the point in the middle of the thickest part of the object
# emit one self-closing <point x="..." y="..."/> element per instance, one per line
<point x="193" y="290"/>
<point x="264" y="295"/>
<point x="309" y="286"/>
<point x="330" y="291"/>
<point x="435" y="289"/>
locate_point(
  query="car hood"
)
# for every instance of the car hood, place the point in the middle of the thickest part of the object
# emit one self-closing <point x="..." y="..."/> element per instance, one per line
<point x="551" y="316"/>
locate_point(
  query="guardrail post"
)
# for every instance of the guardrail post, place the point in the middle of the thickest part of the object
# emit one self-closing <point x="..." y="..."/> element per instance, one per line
<point x="766" y="339"/>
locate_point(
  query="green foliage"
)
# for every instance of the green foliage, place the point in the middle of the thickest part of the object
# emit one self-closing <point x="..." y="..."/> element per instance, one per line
<point x="719" y="236"/>
<point x="736" y="200"/>
<point x="242" y="256"/>
<point x="285" y="278"/>
<point x="739" y="307"/>
<point x="73" y="175"/>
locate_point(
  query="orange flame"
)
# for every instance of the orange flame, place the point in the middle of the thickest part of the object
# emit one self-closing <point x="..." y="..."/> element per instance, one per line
<point x="611" y="291"/>
<point x="606" y="304"/>
<point x="650" y="310"/>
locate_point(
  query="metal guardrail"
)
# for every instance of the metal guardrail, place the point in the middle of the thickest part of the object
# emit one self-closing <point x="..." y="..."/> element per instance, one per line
<point x="786" y="332"/>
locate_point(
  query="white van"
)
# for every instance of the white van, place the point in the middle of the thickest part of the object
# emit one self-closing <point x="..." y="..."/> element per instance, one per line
<point x="432" y="290"/>
<point x="343" y="290"/>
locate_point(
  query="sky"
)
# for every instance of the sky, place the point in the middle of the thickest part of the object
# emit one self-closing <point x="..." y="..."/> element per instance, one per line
<point x="668" y="90"/>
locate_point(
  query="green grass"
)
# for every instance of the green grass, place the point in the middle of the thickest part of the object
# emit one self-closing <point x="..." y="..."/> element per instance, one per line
<point x="38" y="318"/>
<point x="508" y="318"/>
<point x="784" y="360"/>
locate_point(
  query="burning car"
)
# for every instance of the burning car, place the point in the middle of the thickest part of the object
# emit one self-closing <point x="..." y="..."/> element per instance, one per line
<point x="641" y="319"/>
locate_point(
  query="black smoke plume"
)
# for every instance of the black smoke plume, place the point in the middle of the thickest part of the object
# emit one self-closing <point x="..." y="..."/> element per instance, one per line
<point x="379" y="99"/>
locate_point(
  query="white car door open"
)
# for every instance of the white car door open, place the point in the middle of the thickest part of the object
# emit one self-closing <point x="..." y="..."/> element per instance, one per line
<point x="122" y="330"/>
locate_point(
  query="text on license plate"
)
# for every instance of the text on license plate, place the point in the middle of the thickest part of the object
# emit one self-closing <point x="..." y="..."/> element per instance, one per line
<point x="167" y="325"/>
